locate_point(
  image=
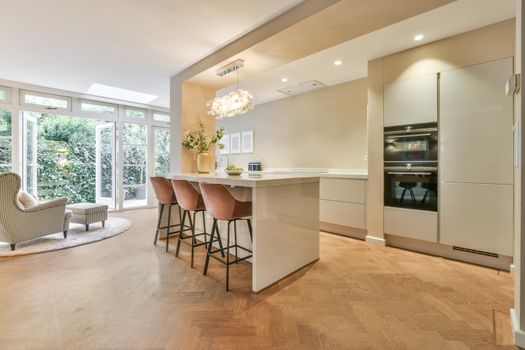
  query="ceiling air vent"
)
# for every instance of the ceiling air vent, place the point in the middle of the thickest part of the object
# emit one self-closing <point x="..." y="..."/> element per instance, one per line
<point x="473" y="251"/>
<point x="302" y="87"/>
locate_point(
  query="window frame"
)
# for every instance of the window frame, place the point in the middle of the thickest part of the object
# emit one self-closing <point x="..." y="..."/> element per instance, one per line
<point x="93" y="114"/>
<point x="47" y="109"/>
<point x="160" y="122"/>
<point x="8" y="95"/>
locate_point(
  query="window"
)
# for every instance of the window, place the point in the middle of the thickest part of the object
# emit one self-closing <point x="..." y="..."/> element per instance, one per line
<point x="162" y="151"/>
<point x="133" y="113"/>
<point x="97" y="108"/>
<point x="52" y="102"/>
<point x="5" y="140"/>
<point x="134" y="164"/>
<point x="5" y="95"/>
<point x="68" y="157"/>
<point x="161" y="117"/>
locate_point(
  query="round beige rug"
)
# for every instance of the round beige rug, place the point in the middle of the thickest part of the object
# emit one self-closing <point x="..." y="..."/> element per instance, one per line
<point x="77" y="235"/>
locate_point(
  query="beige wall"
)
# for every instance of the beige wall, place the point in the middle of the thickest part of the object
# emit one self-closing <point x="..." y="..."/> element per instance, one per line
<point x="320" y="129"/>
<point x="478" y="46"/>
<point x="192" y="100"/>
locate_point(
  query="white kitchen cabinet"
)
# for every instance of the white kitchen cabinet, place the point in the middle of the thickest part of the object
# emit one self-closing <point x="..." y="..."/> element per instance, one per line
<point x="343" y="203"/>
<point x="476" y="158"/>
<point x="416" y="224"/>
<point x="411" y="101"/>
<point x="476" y="137"/>
<point x="343" y="190"/>
<point x="342" y="213"/>
<point x="477" y="216"/>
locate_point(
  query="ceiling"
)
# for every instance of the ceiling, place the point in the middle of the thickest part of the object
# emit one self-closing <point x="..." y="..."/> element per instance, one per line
<point x="127" y="44"/>
<point x="341" y="21"/>
<point x="460" y="16"/>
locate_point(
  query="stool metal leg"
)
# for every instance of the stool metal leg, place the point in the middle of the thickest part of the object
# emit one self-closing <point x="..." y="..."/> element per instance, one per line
<point x="235" y="233"/>
<point x="193" y="242"/>
<point x="207" y="262"/>
<point x="183" y="220"/>
<point x="158" y="224"/>
<point x="204" y="225"/>
<point x="228" y="259"/>
<point x="249" y="222"/>
<point x="168" y="228"/>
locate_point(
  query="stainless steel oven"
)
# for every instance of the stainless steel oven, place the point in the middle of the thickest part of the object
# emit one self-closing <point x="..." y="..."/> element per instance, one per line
<point x="411" y="187"/>
<point x="411" y="166"/>
<point x="411" y="144"/>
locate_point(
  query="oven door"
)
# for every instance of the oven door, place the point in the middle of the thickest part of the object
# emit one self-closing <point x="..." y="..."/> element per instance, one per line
<point x="413" y="146"/>
<point x="411" y="189"/>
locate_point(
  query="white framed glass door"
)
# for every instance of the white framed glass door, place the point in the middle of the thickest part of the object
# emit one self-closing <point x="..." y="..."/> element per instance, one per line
<point x="30" y="154"/>
<point x="105" y="164"/>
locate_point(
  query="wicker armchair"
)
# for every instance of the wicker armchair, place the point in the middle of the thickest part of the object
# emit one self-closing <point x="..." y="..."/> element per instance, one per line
<point x="18" y="224"/>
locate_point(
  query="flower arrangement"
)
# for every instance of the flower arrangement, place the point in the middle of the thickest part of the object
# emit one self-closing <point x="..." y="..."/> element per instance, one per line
<point x="199" y="140"/>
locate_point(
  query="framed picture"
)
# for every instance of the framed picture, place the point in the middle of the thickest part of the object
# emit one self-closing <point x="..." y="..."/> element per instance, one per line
<point x="235" y="143"/>
<point x="226" y="142"/>
<point x="247" y="141"/>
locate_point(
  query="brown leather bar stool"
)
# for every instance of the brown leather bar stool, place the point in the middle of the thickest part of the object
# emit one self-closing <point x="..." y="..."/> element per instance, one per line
<point x="190" y="200"/>
<point x="166" y="197"/>
<point x="221" y="204"/>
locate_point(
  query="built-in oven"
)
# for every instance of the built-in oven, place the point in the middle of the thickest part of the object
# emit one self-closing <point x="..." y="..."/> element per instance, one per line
<point x="411" y="166"/>
<point x="412" y="187"/>
<point x="411" y="144"/>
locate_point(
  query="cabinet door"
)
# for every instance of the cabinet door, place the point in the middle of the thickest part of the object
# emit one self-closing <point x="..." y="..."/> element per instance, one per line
<point x="476" y="138"/>
<point x="411" y="101"/>
<point x="417" y="224"/>
<point x="344" y="214"/>
<point x="343" y="190"/>
<point x="477" y="216"/>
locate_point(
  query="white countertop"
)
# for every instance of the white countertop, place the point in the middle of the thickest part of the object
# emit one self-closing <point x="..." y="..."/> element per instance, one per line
<point x="256" y="179"/>
<point x="360" y="174"/>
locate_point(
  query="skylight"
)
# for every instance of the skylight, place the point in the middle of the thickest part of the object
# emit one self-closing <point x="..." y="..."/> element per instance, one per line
<point x="120" y="94"/>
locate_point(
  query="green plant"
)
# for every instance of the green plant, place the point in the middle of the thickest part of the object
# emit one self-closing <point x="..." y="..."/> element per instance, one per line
<point x="199" y="140"/>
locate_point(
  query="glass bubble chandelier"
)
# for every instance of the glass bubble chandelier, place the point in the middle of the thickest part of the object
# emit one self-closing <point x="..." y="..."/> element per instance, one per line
<point x="235" y="103"/>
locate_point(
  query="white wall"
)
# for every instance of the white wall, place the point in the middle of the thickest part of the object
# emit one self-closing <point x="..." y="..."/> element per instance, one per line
<point x="320" y="129"/>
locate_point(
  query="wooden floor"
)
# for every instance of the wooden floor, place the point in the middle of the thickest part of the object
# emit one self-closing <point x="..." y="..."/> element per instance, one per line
<point x="124" y="293"/>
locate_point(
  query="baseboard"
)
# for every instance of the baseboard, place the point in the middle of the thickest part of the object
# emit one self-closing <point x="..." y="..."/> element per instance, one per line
<point x="501" y="262"/>
<point x="519" y="335"/>
<point x="377" y="241"/>
<point x="343" y="230"/>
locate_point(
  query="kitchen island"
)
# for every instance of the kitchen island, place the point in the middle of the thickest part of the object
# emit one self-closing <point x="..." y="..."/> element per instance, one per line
<point x="285" y="220"/>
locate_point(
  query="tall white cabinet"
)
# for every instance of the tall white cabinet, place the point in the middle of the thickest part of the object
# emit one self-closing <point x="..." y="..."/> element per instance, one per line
<point x="476" y="158"/>
<point x="411" y="101"/>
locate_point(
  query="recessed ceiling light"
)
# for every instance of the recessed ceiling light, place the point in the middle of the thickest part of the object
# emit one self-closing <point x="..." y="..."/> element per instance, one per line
<point x="284" y="80"/>
<point x="338" y="62"/>
<point x="419" y="37"/>
<point x="120" y="94"/>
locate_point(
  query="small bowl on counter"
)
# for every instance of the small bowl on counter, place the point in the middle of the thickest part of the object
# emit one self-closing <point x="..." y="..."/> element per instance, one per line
<point x="235" y="172"/>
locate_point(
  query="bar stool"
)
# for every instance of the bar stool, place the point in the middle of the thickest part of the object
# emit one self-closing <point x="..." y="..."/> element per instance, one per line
<point x="221" y="204"/>
<point x="166" y="197"/>
<point x="190" y="200"/>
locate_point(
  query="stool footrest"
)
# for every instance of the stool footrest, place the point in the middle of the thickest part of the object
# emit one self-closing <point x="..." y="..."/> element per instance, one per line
<point x="234" y="261"/>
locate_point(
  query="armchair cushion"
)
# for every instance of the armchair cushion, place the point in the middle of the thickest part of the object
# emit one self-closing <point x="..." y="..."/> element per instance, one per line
<point x="26" y="201"/>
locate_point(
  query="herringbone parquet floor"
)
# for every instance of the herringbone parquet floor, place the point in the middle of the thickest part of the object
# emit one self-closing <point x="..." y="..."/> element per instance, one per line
<point x="124" y="293"/>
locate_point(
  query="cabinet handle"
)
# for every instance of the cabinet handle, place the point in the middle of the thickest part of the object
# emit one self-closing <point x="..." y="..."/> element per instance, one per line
<point x="407" y="173"/>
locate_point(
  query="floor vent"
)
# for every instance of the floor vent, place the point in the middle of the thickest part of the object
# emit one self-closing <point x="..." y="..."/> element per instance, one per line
<point x="473" y="251"/>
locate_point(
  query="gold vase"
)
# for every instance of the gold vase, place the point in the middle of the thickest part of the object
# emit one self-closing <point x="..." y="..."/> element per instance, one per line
<point x="202" y="162"/>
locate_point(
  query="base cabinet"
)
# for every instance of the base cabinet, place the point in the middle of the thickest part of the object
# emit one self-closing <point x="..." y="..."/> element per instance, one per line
<point x="410" y="223"/>
<point x="344" y="214"/>
<point x="477" y="216"/>
<point x="343" y="205"/>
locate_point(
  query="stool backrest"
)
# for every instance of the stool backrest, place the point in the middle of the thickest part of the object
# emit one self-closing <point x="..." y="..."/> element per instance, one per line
<point x="163" y="190"/>
<point x="187" y="195"/>
<point x="219" y="202"/>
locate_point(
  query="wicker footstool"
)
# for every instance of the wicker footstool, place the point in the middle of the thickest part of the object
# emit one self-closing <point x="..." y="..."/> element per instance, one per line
<point x="88" y="213"/>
